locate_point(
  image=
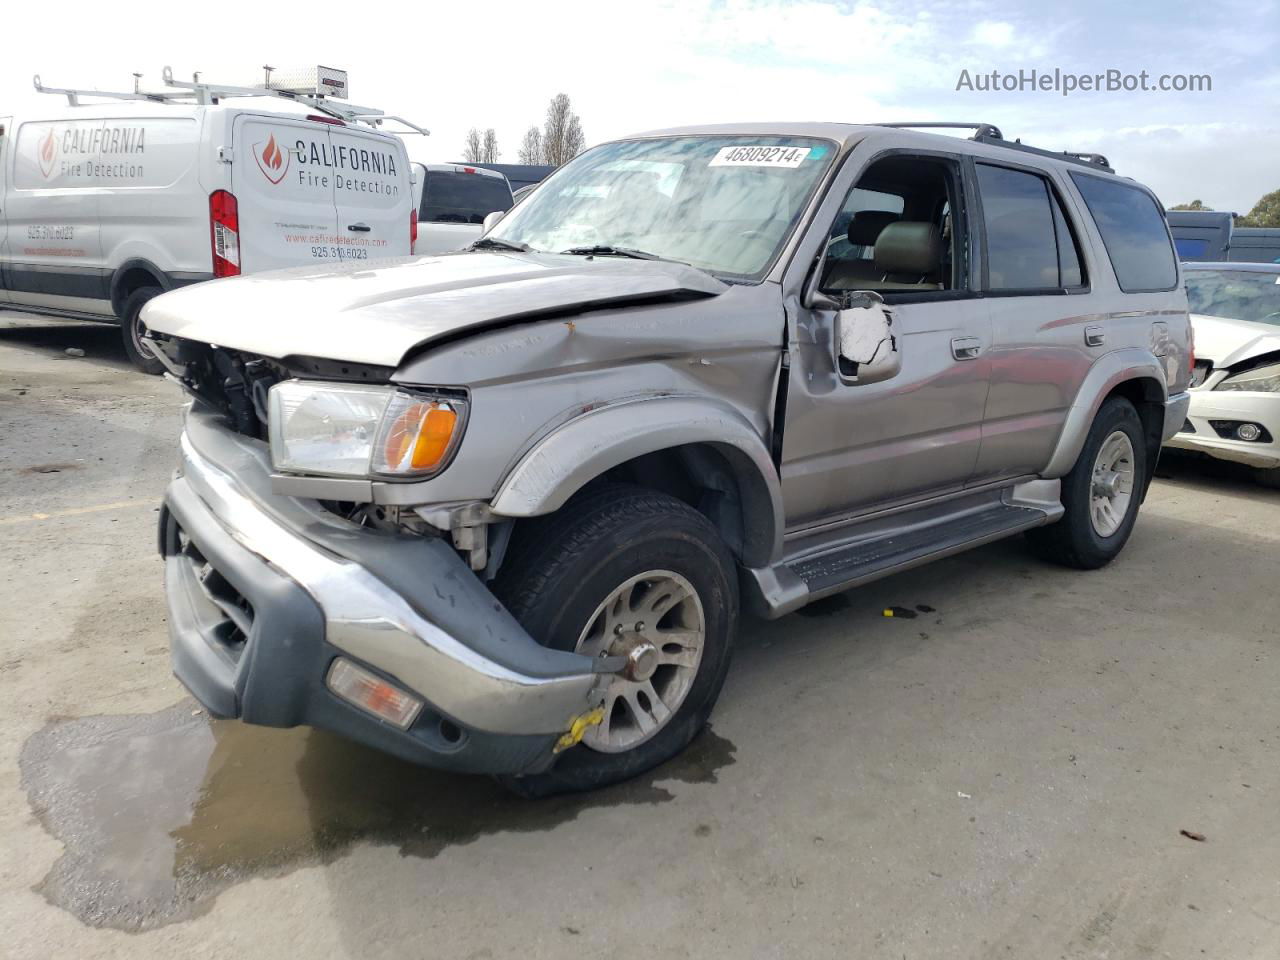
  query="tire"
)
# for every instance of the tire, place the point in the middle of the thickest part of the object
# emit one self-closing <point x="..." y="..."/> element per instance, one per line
<point x="1077" y="539"/>
<point x="132" y="328"/>
<point x="1268" y="477"/>
<point x="559" y="572"/>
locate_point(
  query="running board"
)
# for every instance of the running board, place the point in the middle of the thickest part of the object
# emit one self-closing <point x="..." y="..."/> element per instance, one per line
<point x="779" y="590"/>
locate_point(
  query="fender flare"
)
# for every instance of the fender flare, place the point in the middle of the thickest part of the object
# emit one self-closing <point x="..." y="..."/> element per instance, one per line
<point x="1107" y="373"/>
<point x="575" y="453"/>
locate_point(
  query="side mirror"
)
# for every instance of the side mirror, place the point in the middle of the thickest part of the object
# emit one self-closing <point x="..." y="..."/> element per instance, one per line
<point x="491" y="220"/>
<point x="865" y="341"/>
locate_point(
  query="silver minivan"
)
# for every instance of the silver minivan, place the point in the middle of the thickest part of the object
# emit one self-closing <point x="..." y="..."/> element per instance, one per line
<point x="497" y="510"/>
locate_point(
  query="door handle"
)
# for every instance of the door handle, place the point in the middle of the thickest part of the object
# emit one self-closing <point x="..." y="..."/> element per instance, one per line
<point x="359" y="227"/>
<point x="966" y="348"/>
<point x="1094" y="336"/>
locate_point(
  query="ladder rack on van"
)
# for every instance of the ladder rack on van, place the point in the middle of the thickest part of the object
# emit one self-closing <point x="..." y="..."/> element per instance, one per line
<point x="197" y="92"/>
<point x="990" y="134"/>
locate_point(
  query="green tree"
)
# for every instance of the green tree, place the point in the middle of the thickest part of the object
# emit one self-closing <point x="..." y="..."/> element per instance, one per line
<point x="1265" y="213"/>
<point x="1193" y="205"/>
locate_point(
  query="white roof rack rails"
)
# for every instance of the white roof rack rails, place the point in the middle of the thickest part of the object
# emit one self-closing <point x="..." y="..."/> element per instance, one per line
<point x="197" y="91"/>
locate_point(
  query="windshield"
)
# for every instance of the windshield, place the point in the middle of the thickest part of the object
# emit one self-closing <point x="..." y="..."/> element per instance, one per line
<point x="1236" y="294"/>
<point x="462" y="197"/>
<point x="725" y="204"/>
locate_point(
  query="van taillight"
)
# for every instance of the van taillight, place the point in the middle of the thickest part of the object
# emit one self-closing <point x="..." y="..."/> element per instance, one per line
<point x="224" y="232"/>
<point x="413" y="231"/>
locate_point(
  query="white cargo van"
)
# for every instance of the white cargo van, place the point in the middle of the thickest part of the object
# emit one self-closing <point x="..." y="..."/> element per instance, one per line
<point x="104" y="206"/>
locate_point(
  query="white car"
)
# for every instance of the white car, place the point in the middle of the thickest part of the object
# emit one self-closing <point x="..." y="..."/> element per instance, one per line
<point x="1235" y="393"/>
<point x="452" y="200"/>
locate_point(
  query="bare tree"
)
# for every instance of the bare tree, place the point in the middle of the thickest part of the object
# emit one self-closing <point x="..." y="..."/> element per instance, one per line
<point x="489" y="152"/>
<point x="473" y="152"/>
<point x="531" y="146"/>
<point x="562" y="137"/>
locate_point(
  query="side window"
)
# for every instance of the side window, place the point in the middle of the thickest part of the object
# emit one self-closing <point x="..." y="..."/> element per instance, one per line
<point x="1134" y="232"/>
<point x="1029" y="242"/>
<point x="893" y="233"/>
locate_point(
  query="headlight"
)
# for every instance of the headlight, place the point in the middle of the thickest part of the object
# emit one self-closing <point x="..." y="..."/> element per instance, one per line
<point x="347" y="430"/>
<point x="1260" y="379"/>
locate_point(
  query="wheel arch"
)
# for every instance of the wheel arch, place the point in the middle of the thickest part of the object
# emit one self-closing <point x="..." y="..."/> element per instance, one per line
<point x="1136" y="375"/>
<point x="702" y="452"/>
<point x="131" y="276"/>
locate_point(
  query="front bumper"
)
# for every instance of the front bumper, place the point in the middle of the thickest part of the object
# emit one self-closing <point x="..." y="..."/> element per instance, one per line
<point x="265" y="591"/>
<point x="1229" y="406"/>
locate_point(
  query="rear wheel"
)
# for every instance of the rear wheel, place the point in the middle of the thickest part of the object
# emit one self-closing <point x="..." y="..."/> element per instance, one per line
<point x="1101" y="493"/>
<point x="141" y="354"/>
<point x="632" y="573"/>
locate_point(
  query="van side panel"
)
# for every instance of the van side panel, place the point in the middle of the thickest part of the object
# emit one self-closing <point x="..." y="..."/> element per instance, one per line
<point x="152" y="208"/>
<point x="7" y="136"/>
<point x="52" y="214"/>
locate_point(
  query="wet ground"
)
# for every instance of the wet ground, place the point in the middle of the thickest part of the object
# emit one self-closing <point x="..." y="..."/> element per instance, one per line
<point x="1019" y="761"/>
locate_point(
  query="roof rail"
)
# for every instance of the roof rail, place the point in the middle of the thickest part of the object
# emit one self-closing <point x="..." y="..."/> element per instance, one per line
<point x="980" y="129"/>
<point x="197" y="92"/>
<point x="990" y="134"/>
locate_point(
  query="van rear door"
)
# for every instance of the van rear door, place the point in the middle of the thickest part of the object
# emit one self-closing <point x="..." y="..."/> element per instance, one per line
<point x="373" y="193"/>
<point x="283" y="180"/>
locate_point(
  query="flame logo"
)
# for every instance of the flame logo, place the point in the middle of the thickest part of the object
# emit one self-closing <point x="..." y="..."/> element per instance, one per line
<point x="273" y="160"/>
<point x="48" y="153"/>
<point x="271" y="154"/>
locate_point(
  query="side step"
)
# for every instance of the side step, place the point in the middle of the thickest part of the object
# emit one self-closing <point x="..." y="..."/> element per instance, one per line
<point x="866" y="560"/>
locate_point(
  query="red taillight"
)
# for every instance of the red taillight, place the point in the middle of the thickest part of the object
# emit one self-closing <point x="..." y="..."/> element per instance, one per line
<point x="224" y="233"/>
<point x="413" y="230"/>
<point x="319" y="119"/>
<point x="468" y="169"/>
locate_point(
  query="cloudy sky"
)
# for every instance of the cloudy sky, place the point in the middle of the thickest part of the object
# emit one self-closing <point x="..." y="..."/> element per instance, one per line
<point x="640" y="65"/>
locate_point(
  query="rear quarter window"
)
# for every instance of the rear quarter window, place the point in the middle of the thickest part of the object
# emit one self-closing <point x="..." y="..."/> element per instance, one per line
<point x="449" y="197"/>
<point x="1134" y="232"/>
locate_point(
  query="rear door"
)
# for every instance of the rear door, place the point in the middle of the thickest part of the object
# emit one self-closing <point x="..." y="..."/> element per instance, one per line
<point x="373" y="194"/>
<point x="6" y="125"/>
<point x="283" y="176"/>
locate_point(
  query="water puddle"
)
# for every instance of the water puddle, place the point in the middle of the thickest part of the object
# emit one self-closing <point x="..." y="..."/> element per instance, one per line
<point x="161" y="812"/>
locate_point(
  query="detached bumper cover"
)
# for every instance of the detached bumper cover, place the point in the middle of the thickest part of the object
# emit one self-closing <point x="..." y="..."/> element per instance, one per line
<point x="265" y="591"/>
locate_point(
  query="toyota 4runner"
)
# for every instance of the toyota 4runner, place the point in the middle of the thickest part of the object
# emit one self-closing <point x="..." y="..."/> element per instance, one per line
<point x="496" y="510"/>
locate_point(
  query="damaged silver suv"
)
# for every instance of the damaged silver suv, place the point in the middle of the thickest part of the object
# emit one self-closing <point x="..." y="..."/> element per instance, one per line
<point x="497" y="510"/>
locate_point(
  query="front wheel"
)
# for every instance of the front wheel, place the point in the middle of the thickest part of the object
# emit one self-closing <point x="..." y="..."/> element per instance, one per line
<point x="141" y="354"/>
<point x="1101" y="493"/>
<point x="636" y="574"/>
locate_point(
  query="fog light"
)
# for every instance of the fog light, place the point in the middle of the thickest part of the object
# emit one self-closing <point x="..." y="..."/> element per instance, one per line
<point x="1248" y="431"/>
<point x="371" y="693"/>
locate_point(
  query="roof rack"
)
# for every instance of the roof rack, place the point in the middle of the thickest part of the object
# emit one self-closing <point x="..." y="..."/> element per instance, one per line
<point x="990" y="134"/>
<point x="197" y="92"/>
<point x="980" y="129"/>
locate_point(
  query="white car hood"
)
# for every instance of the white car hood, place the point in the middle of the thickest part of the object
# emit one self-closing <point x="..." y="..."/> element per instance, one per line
<point x="1226" y="341"/>
<point x="375" y="312"/>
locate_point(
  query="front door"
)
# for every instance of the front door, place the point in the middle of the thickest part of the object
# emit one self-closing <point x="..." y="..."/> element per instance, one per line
<point x="850" y="448"/>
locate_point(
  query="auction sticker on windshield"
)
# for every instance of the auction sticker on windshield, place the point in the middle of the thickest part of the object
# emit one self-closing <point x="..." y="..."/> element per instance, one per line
<point x="749" y="156"/>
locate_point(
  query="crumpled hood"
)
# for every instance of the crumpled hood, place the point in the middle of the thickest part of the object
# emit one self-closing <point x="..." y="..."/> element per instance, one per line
<point x="375" y="312"/>
<point x="1226" y="341"/>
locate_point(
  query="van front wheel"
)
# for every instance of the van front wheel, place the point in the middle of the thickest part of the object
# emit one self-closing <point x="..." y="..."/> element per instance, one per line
<point x="141" y="354"/>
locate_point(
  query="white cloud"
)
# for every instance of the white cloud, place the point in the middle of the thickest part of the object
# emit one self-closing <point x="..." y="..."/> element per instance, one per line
<point x="993" y="33"/>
